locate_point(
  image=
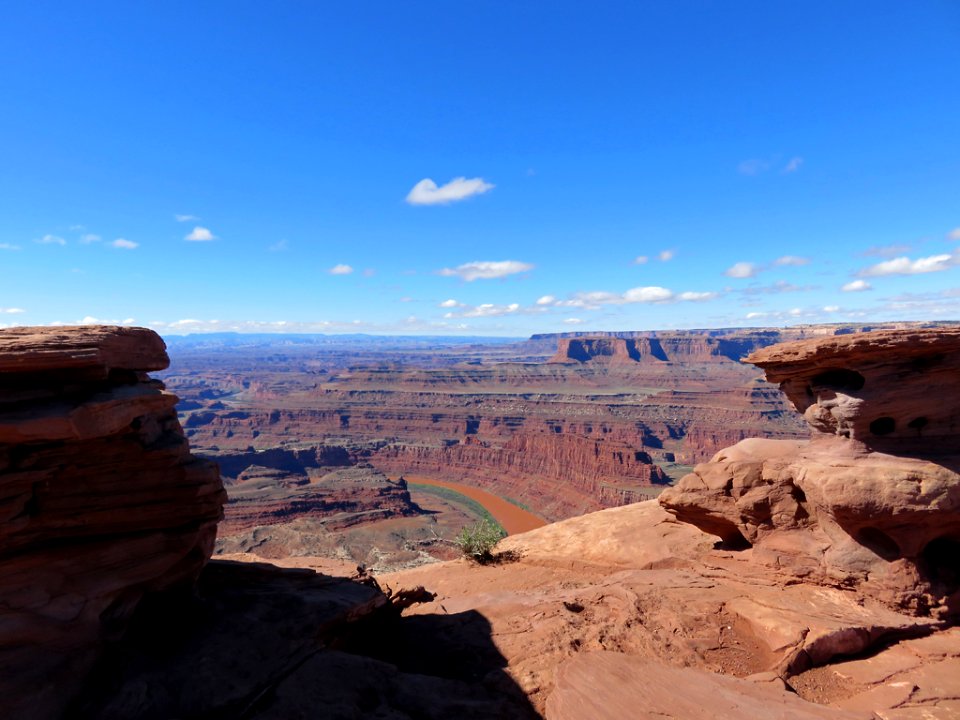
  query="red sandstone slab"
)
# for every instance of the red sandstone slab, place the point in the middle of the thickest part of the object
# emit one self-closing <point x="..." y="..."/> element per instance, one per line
<point x="41" y="349"/>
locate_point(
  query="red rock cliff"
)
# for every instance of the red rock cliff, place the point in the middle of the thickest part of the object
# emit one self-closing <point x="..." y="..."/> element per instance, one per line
<point x="100" y="502"/>
<point x="872" y="501"/>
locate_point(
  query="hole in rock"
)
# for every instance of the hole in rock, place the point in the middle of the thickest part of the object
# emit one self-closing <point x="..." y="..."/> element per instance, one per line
<point x="879" y="542"/>
<point x="940" y="560"/>
<point x="839" y="379"/>
<point x="917" y="423"/>
<point x="883" y="426"/>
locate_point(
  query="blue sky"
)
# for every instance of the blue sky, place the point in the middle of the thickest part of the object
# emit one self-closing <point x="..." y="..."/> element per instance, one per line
<point x="480" y="168"/>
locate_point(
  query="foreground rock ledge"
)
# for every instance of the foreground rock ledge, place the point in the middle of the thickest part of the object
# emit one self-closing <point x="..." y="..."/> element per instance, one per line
<point x="101" y="502"/>
<point x="871" y="503"/>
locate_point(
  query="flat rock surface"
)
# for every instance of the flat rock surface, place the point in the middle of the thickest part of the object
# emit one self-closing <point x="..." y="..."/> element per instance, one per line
<point x="613" y="686"/>
<point x="39" y="349"/>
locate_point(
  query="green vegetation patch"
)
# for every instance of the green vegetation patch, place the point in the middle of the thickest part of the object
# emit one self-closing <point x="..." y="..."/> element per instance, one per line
<point x="468" y="504"/>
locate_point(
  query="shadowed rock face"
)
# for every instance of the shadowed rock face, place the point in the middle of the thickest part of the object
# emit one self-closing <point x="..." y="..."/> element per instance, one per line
<point x="101" y="502"/>
<point x="872" y="501"/>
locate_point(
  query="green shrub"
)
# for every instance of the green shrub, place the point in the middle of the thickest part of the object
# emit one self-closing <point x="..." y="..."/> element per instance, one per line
<point x="478" y="540"/>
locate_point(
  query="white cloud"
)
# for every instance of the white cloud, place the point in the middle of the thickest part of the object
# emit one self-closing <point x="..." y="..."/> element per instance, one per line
<point x="485" y="310"/>
<point x="793" y="260"/>
<point x="857" y="286"/>
<point x="573" y="321"/>
<point x="278" y="246"/>
<point x="641" y="260"/>
<point x="12" y="311"/>
<point x="200" y="234"/>
<point x="450" y="304"/>
<point x="8" y="246"/>
<point x="486" y="270"/>
<point x="831" y="308"/>
<point x="51" y="240"/>
<point x="793" y="164"/>
<point x="780" y="286"/>
<point x="124" y="244"/>
<point x="697" y="296"/>
<point x="906" y="266"/>
<point x="340" y="270"/>
<point x="426" y="192"/>
<point x="185" y="218"/>
<point x="665" y="255"/>
<point x="651" y="294"/>
<point x="954" y="234"/>
<point x="742" y="270"/>
<point x="88" y="238"/>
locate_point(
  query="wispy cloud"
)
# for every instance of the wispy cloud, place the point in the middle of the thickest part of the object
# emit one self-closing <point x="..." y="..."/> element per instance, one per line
<point x="51" y="240"/>
<point x="776" y="288"/>
<point x="486" y="269"/>
<point x="451" y="303"/>
<point x="8" y="246"/>
<point x="200" y="234"/>
<point x="573" y="321"/>
<point x="742" y="270"/>
<point x="886" y="250"/>
<point x="753" y="166"/>
<point x="88" y="238"/>
<point x="651" y="294"/>
<point x="124" y="244"/>
<point x="185" y="218"/>
<point x="954" y="234"/>
<point x="857" y="286"/>
<point x="791" y="260"/>
<point x="485" y="310"/>
<point x="340" y="270"/>
<point x="793" y="164"/>
<point x="905" y="266"/>
<point x="641" y="260"/>
<point x="12" y="311"/>
<point x="278" y="246"/>
<point x="665" y="255"/>
<point x="426" y="192"/>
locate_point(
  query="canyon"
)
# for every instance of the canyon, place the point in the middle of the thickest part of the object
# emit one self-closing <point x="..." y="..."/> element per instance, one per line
<point x="561" y="425"/>
<point x="812" y="578"/>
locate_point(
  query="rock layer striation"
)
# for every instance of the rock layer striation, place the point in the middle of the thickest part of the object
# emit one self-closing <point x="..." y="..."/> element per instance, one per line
<point x="101" y="502"/>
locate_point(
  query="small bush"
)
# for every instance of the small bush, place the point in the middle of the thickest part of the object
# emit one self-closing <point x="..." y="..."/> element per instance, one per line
<point x="477" y="541"/>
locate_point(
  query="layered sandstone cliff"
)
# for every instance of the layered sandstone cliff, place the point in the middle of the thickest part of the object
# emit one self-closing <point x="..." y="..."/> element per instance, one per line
<point x="101" y="502"/>
<point x="872" y="501"/>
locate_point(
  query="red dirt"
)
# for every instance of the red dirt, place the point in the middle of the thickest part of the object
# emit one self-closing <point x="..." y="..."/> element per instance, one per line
<point x="513" y="519"/>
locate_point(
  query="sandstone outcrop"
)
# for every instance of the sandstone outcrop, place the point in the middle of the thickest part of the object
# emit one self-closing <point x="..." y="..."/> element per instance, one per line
<point x="872" y="502"/>
<point x="101" y="502"/>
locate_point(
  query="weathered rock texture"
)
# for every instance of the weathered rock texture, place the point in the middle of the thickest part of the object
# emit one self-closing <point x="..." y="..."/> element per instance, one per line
<point x="100" y="502"/>
<point x="872" y="501"/>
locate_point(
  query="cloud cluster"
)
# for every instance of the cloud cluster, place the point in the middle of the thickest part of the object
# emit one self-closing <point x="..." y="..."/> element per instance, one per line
<point x="905" y="266"/>
<point x="427" y="192"/>
<point x="486" y="269"/>
<point x="652" y="294"/>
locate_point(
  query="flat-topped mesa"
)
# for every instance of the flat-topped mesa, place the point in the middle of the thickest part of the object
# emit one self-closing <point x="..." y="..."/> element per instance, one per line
<point x="669" y="348"/>
<point x="101" y="502"/>
<point x="894" y="390"/>
<point x="872" y="501"/>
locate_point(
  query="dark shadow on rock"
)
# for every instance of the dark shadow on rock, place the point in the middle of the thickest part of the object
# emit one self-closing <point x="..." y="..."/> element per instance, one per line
<point x="260" y="642"/>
